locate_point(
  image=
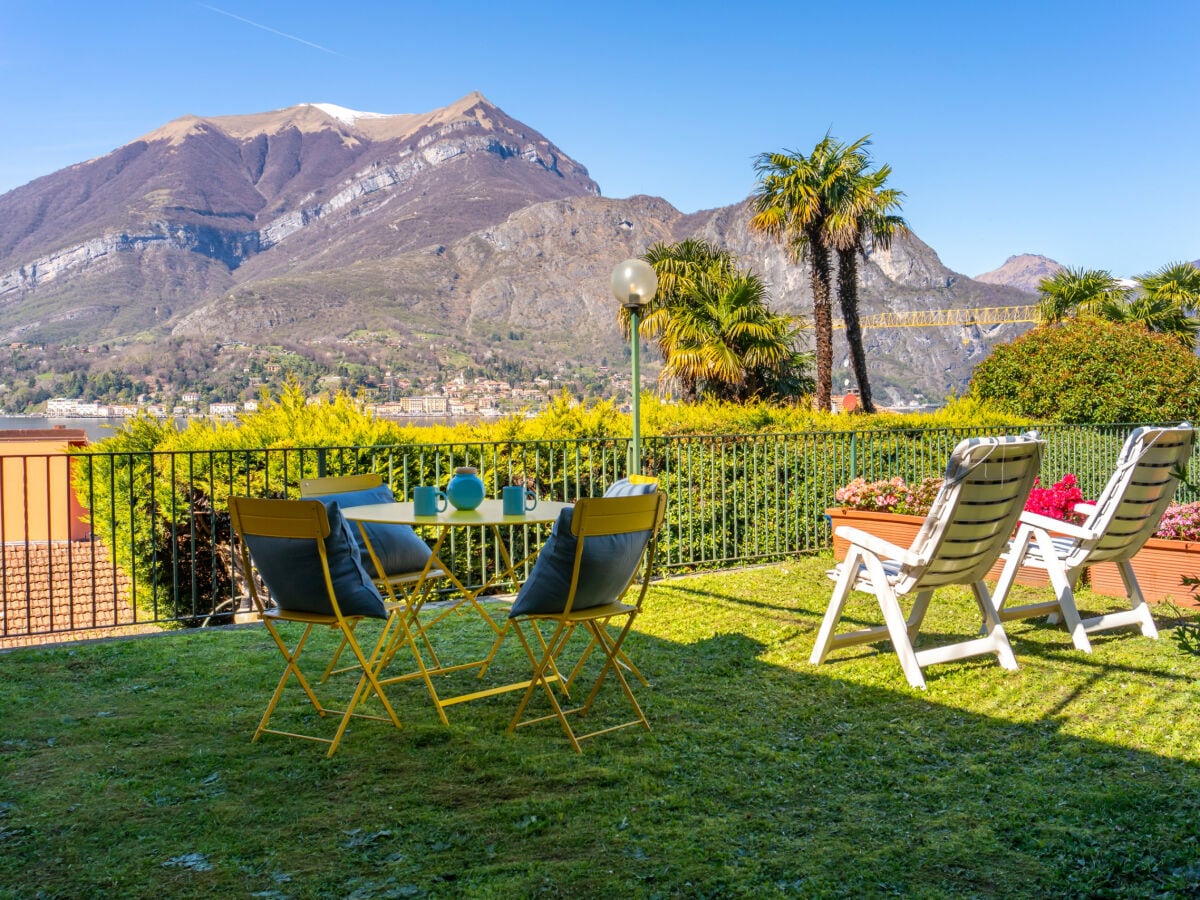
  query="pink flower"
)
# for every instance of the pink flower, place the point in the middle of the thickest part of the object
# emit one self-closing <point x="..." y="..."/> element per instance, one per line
<point x="889" y="495"/>
<point x="1181" y="522"/>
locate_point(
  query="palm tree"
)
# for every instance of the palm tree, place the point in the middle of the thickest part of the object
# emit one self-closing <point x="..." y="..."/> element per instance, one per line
<point x="1154" y="313"/>
<point x="1072" y="292"/>
<point x="1178" y="283"/>
<point x="862" y="209"/>
<point x="1167" y="302"/>
<point x="724" y="341"/>
<point x="714" y="328"/>
<point x="679" y="268"/>
<point x="790" y="206"/>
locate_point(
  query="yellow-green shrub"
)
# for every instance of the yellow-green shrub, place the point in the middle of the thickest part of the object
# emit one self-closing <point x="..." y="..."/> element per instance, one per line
<point x="159" y="495"/>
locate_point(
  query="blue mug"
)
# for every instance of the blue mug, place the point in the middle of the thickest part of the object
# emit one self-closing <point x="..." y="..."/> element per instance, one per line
<point x="517" y="501"/>
<point x="428" y="501"/>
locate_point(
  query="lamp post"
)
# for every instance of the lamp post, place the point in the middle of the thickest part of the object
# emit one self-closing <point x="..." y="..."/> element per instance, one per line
<point x="634" y="284"/>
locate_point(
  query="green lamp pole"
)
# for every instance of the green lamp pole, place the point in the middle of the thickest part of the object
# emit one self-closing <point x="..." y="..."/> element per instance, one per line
<point x="634" y="284"/>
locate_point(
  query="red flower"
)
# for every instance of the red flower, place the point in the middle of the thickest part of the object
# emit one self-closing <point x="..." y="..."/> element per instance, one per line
<point x="1058" y="501"/>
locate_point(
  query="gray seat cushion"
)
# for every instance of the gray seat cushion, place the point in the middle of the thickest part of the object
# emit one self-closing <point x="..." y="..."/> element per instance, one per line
<point x="291" y="569"/>
<point x="609" y="563"/>
<point x="398" y="547"/>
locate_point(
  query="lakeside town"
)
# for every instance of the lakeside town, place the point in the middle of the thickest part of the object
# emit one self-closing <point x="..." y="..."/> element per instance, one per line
<point x="226" y="379"/>
<point x="461" y="397"/>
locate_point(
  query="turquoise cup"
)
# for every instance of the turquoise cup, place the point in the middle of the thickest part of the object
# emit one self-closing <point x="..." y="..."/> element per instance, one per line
<point x="428" y="501"/>
<point x="517" y="501"/>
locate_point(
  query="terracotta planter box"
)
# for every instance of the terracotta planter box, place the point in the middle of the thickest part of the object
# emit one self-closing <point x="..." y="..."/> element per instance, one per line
<point x="901" y="530"/>
<point x="892" y="527"/>
<point x="1158" y="567"/>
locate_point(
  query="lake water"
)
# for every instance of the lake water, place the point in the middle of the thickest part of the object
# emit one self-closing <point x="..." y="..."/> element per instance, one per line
<point x="98" y="429"/>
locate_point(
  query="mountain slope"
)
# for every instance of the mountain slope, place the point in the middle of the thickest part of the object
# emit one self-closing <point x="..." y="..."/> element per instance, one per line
<point x="543" y="274"/>
<point x="190" y="204"/>
<point x="1024" y="272"/>
<point x="430" y="241"/>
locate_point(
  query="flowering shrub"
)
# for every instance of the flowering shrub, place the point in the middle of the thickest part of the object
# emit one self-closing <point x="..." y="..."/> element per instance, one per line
<point x="893" y="495"/>
<point x="890" y="495"/>
<point x="1057" y="501"/>
<point x="1181" y="522"/>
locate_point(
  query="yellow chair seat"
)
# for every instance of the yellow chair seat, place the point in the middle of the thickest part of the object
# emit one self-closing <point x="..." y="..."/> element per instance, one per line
<point x="606" y="611"/>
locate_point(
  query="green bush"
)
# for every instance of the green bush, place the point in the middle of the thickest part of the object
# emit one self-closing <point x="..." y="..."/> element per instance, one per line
<point x="158" y="496"/>
<point x="1088" y="371"/>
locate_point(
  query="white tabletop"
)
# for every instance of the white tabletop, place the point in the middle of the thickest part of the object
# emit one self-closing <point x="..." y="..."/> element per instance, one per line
<point x="489" y="512"/>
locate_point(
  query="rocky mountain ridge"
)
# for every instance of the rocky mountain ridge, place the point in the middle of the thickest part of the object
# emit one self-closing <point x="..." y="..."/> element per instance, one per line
<point x="544" y="271"/>
<point x="232" y="187"/>
<point x="457" y="234"/>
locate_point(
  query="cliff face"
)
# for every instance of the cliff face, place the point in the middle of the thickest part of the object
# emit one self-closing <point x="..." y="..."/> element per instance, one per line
<point x="907" y="365"/>
<point x="543" y="273"/>
<point x="458" y="234"/>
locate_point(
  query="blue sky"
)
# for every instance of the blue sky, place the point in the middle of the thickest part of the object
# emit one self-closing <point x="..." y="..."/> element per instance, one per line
<point x="1067" y="129"/>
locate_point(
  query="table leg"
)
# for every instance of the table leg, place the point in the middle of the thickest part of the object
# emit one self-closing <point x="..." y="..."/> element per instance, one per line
<point x="413" y="632"/>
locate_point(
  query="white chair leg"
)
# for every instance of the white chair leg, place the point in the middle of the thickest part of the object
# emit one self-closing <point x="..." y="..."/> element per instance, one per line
<point x="1012" y="562"/>
<point x="897" y="626"/>
<point x="1064" y="591"/>
<point x="841" y="593"/>
<point x="1138" y="614"/>
<point x="1137" y="601"/>
<point x="917" y="615"/>
<point x="994" y="630"/>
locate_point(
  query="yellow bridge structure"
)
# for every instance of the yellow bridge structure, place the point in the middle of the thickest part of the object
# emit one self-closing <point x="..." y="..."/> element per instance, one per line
<point x="932" y="318"/>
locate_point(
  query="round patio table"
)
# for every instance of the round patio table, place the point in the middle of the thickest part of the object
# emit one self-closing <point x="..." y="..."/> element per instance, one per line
<point x="414" y="632"/>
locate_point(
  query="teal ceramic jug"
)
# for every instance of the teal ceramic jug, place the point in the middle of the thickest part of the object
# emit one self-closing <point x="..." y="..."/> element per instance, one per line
<point x="465" y="490"/>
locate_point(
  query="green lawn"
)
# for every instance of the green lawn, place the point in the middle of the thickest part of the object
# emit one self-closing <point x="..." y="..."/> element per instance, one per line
<point x="126" y="769"/>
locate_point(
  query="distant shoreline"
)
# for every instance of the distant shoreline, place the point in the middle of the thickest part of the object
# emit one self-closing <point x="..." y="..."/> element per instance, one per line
<point x="97" y="429"/>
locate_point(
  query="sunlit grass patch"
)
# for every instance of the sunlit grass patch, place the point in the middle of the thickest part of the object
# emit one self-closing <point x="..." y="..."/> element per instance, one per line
<point x="126" y="768"/>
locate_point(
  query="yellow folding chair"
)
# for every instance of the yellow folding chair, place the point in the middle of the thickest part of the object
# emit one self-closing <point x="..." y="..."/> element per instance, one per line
<point x="397" y="557"/>
<point x="629" y="486"/>
<point x="309" y="562"/>
<point x="580" y="579"/>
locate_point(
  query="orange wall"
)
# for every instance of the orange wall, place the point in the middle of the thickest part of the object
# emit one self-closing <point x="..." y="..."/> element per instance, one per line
<point x="35" y="492"/>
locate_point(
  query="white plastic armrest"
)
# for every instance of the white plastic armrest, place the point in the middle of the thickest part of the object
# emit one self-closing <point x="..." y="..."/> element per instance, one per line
<point x="1085" y="509"/>
<point x="1034" y="520"/>
<point x="878" y="545"/>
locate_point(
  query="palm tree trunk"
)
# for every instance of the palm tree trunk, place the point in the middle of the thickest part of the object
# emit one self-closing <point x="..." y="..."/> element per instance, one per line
<point x="848" y="300"/>
<point x="822" y="319"/>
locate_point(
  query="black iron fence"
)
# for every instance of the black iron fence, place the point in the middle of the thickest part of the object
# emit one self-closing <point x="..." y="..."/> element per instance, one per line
<point x="142" y="539"/>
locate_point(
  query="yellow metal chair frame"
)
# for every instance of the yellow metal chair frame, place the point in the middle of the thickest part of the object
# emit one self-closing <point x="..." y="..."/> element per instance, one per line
<point x="622" y="658"/>
<point x="396" y="585"/>
<point x="592" y="518"/>
<point x="307" y="520"/>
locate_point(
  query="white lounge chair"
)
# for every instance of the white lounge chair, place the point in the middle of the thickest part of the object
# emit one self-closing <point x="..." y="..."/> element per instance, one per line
<point x="1117" y="526"/>
<point x="987" y="483"/>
